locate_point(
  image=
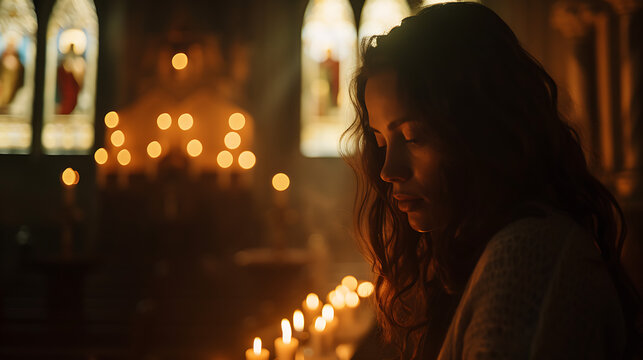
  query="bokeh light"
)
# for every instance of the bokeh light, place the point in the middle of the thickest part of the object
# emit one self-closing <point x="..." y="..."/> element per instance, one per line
<point x="179" y="61"/>
<point x="237" y="121"/>
<point x="352" y="300"/>
<point x="185" y="121"/>
<point x="111" y="119"/>
<point x="365" y="289"/>
<point x="320" y="323"/>
<point x="312" y="301"/>
<point x="280" y="182"/>
<point x="328" y="313"/>
<point x="70" y="177"/>
<point x="298" y="320"/>
<point x="164" y="121"/>
<point x="350" y="282"/>
<point x="194" y="147"/>
<point x="232" y="140"/>
<point x="247" y="160"/>
<point x="224" y="159"/>
<point x="154" y="149"/>
<point x="101" y="156"/>
<point x="117" y="138"/>
<point x="124" y="157"/>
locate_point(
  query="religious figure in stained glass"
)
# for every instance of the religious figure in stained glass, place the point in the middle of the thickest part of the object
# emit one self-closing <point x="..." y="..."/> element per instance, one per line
<point x="18" y="27"/>
<point x="70" y="78"/>
<point x="329" y="56"/>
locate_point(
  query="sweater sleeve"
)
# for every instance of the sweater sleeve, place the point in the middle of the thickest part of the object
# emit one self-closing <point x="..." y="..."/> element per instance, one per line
<point x="539" y="291"/>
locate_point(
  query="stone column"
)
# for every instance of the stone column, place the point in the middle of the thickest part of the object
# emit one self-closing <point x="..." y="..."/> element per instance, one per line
<point x="630" y="35"/>
<point x="584" y="27"/>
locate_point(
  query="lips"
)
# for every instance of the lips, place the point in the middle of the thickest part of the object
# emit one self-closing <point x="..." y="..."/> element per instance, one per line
<point x="407" y="203"/>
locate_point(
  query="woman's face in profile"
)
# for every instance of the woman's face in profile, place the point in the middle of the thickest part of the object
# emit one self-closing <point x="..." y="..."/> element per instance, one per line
<point x="411" y="164"/>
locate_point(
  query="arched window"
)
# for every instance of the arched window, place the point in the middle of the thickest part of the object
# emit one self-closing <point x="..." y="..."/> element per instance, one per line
<point x="70" y="78"/>
<point x="380" y="16"/>
<point x="328" y="60"/>
<point x="18" y="27"/>
<point x="432" y="2"/>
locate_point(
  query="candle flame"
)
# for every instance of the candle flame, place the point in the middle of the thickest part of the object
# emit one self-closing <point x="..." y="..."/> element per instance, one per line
<point x="328" y="313"/>
<point x="256" y="346"/>
<point x="286" y="331"/>
<point x="337" y="299"/>
<point x="365" y="289"/>
<point x="312" y="301"/>
<point x="298" y="320"/>
<point x="341" y="289"/>
<point x="350" y="282"/>
<point x="352" y="300"/>
<point x="320" y="324"/>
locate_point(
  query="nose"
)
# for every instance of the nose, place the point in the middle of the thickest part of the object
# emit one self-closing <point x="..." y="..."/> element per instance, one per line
<point x="396" y="165"/>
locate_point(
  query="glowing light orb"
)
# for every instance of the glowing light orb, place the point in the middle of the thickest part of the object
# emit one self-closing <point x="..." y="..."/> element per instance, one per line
<point x="111" y="119"/>
<point x="328" y="313"/>
<point x="312" y="301"/>
<point x="256" y="346"/>
<point x="232" y="140"/>
<point x="70" y="177"/>
<point x="247" y="160"/>
<point x="237" y="121"/>
<point x="179" y="61"/>
<point x="100" y="156"/>
<point x="281" y="182"/>
<point x="185" y="121"/>
<point x="350" y="282"/>
<point x="365" y="289"/>
<point x="320" y="323"/>
<point x="117" y="138"/>
<point x="154" y="149"/>
<point x="224" y="159"/>
<point x="195" y="148"/>
<point x="124" y="157"/>
<point x="286" y="331"/>
<point x="352" y="300"/>
<point x="164" y="121"/>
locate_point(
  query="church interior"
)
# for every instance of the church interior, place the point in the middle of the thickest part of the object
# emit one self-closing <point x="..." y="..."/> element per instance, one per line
<point x="172" y="185"/>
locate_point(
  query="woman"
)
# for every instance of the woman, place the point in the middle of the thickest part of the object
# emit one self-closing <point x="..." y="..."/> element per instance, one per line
<point x="488" y="235"/>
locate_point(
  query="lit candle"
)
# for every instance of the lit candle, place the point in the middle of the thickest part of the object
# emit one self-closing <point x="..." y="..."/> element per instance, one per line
<point x="328" y="314"/>
<point x="316" y="335"/>
<point x="257" y="353"/>
<point x="312" y="307"/>
<point x="286" y="346"/>
<point x="298" y="324"/>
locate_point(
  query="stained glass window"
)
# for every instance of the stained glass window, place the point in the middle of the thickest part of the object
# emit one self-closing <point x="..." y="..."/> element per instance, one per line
<point x="18" y="27"/>
<point x="329" y="56"/>
<point x="70" y="78"/>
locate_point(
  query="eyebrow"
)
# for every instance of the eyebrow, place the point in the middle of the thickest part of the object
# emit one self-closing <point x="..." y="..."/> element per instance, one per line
<point x="395" y="123"/>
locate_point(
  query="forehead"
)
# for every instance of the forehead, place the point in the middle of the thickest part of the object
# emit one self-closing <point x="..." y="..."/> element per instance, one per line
<point x="382" y="100"/>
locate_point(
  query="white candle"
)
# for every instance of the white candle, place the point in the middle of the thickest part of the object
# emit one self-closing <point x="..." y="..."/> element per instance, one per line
<point x="312" y="307"/>
<point x="257" y="353"/>
<point x="316" y="335"/>
<point x="286" y="346"/>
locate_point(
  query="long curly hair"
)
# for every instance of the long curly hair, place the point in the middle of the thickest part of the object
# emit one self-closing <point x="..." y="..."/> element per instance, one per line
<point x="493" y="115"/>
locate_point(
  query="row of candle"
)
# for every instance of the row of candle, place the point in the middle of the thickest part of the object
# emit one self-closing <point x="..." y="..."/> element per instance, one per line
<point x="324" y="323"/>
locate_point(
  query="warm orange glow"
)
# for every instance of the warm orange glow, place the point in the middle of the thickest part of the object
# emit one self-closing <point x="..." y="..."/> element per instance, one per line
<point x="247" y="160"/>
<point x="185" y="121"/>
<point x="352" y="300"/>
<point x="117" y="138"/>
<point x="111" y="119"/>
<point x="328" y="313"/>
<point x="179" y="61"/>
<point x="124" y="157"/>
<point x="342" y="289"/>
<point x="70" y="177"/>
<point x="286" y="331"/>
<point x="100" y="156"/>
<point x="350" y="282"/>
<point x="154" y="149"/>
<point x="312" y="301"/>
<point x="298" y="320"/>
<point x="237" y="121"/>
<point x="164" y="121"/>
<point x="195" y="148"/>
<point x="365" y="289"/>
<point x="224" y="159"/>
<point x="281" y="182"/>
<point x="232" y="140"/>
<point x="320" y="324"/>
<point x="256" y="346"/>
<point x="337" y="300"/>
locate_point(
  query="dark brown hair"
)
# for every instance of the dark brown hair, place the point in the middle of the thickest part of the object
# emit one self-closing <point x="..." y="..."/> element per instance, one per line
<point x="493" y="114"/>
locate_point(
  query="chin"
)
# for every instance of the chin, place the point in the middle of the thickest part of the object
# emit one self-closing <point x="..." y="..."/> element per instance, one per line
<point x="418" y="222"/>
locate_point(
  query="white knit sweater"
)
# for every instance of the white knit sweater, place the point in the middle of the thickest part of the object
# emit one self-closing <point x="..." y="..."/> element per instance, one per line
<point x="540" y="290"/>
